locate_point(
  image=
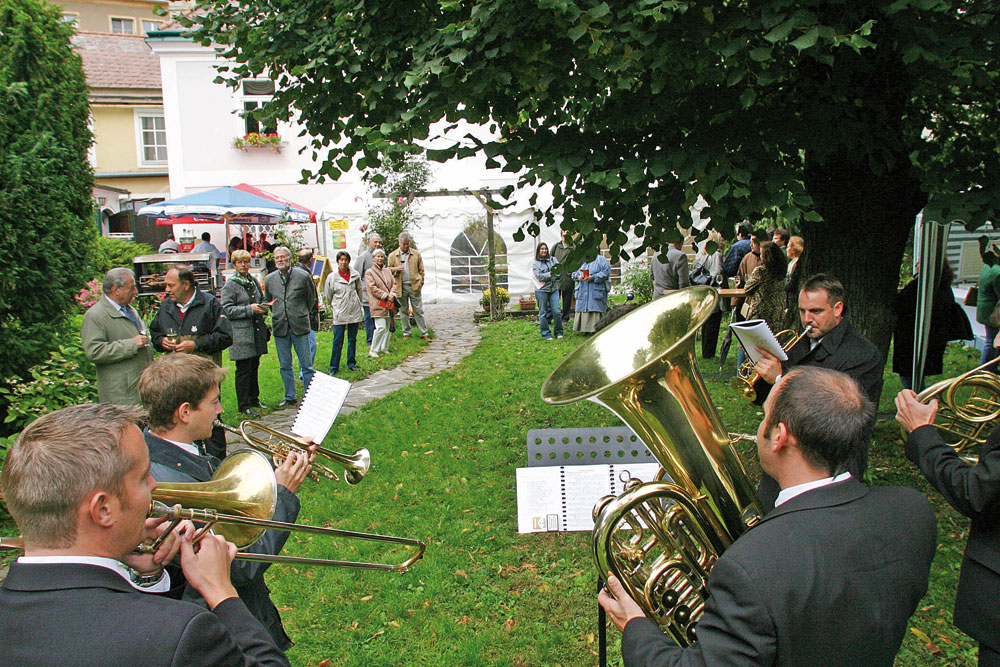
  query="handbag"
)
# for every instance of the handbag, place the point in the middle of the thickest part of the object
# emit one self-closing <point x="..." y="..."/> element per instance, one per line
<point x="972" y="296"/>
<point x="389" y="305"/>
<point x="700" y="276"/>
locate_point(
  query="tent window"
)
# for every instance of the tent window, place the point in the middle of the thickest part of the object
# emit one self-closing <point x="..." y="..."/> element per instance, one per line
<point x="469" y="259"/>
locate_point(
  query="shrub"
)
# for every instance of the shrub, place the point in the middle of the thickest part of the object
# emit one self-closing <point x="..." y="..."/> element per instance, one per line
<point x="112" y="253"/>
<point x="65" y="379"/>
<point x="636" y="281"/>
<point x="503" y="298"/>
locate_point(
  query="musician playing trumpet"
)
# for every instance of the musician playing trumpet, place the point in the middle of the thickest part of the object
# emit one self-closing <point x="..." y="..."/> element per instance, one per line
<point x="77" y="483"/>
<point x="973" y="490"/>
<point x="181" y="394"/>
<point x="830" y="576"/>
<point x="829" y="343"/>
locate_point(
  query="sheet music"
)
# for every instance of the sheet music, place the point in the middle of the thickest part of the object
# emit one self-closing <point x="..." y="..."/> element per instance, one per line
<point x="320" y="407"/>
<point x="754" y="334"/>
<point x="562" y="498"/>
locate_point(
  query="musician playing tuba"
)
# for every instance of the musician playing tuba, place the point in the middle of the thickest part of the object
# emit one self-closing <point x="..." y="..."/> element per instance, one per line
<point x="973" y="490"/>
<point x="181" y="394"/>
<point x="830" y="343"/>
<point x="831" y="575"/>
<point x="77" y="483"/>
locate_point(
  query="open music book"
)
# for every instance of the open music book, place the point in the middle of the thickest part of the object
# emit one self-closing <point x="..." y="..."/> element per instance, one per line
<point x="755" y="333"/>
<point x="320" y="407"/>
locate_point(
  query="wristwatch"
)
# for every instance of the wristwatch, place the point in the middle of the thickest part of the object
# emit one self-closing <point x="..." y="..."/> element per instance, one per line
<point x="145" y="580"/>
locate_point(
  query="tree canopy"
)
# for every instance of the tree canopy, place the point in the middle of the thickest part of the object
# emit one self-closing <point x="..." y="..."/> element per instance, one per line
<point x="838" y="118"/>
<point x="47" y="231"/>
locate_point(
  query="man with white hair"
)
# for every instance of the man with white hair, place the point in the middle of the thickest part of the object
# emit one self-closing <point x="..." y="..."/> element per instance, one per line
<point x="407" y="268"/>
<point x="294" y="297"/>
<point x="116" y="341"/>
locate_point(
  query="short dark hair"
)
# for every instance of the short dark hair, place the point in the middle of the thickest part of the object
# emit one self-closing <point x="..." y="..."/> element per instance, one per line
<point x="538" y="250"/>
<point x="827" y="413"/>
<point x="783" y="233"/>
<point x="343" y="253"/>
<point x="205" y="236"/>
<point x="744" y="230"/>
<point x="173" y="380"/>
<point x="58" y="460"/>
<point x="185" y="275"/>
<point x="824" y="281"/>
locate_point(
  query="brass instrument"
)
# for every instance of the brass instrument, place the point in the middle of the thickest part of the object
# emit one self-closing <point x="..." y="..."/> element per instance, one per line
<point x="747" y="375"/>
<point x="966" y="405"/>
<point x="661" y="538"/>
<point x="277" y="444"/>
<point x="238" y="503"/>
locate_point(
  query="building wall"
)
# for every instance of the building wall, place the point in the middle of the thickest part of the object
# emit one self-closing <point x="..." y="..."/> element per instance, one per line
<point x="96" y="16"/>
<point x="115" y="148"/>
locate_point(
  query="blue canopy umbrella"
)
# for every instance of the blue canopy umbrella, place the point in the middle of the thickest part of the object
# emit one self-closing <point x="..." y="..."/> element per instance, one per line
<point x="241" y="204"/>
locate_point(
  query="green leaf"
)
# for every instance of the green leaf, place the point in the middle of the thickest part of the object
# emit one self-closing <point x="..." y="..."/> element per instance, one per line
<point x="781" y="32"/>
<point x="747" y="98"/>
<point x="576" y="32"/>
<point x="599" y="11"/>
<point x="760" y="54"/>
<point x="807" y="40"/>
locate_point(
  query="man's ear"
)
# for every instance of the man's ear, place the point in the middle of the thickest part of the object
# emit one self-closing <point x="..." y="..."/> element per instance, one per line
<point x="780" y="437"/>
<point x="182" y="415"/>
<point x="838" y="308"/>
<point x="100" y="510"/>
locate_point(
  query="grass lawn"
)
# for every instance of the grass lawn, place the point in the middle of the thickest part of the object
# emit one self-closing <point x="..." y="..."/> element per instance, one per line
<point x="444" y="453"/>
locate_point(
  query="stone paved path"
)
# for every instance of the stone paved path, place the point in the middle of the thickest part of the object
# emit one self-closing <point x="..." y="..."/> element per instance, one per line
<point x="455" y="336"/>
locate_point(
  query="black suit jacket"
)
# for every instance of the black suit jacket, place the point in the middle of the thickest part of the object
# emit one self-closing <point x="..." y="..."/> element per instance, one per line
<point x="170" y="463"/>
<point x="830" y="577"/>
<point x="974" y="490"/>
<point x="841" y="350"/>
<point x="204" y="321"/>
<point x="88" y="615"/>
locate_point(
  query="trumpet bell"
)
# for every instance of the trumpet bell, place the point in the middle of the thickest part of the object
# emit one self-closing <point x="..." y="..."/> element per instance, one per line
<point x="244" y="485"/>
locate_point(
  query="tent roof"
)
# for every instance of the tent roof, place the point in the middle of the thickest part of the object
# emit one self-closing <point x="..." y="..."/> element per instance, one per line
<point x="242" y="203"/>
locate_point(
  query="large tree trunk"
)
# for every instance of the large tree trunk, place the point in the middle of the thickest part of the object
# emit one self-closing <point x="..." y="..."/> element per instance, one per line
<point x="866" y="221"/>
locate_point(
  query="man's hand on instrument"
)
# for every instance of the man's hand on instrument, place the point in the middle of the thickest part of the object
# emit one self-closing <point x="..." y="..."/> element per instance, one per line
<point x="154" y="562"/>
<point x="206" y="567"/>
<point x="311" y="447"/>
<point x="911" y="413"/>
<point x="768" y="367"/>
<point x="185" y="346"/>
<point x="292" y="471"/>
<point x="616" y="602"/>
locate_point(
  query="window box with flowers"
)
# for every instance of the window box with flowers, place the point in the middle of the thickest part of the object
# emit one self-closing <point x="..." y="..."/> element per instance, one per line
<point x="256" y="140"/>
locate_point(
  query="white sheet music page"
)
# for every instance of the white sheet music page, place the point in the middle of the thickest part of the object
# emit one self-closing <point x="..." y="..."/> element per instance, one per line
<point x="754" y="334"/>
<point x="320" y="407"/>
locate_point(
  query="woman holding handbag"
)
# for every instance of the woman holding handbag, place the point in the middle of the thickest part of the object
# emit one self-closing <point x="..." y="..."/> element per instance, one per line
<point x="243" y="303"/>
<point x="379" y="284"/>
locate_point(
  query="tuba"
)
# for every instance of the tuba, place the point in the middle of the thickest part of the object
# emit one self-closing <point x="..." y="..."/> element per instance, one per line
<point x="967" y="404"/>
<point x="661" y="538"/>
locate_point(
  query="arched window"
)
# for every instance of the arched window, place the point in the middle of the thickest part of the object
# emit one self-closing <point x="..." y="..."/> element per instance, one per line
<point x="469" y="259"/>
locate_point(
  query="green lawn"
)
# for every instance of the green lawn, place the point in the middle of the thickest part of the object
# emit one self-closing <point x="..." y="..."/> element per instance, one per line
<point x="444" y="453"/>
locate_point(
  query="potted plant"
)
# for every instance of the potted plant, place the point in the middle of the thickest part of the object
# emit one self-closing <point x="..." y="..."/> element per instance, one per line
<point x="503" y="298"/>
<point x="527" y="302"/>
<point x="269" y="140"/>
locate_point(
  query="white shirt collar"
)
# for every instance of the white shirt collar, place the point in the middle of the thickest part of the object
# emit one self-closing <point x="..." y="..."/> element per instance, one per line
<point x="119" y="308"/>
<point x="183" y="308"/>
<point x="116" y="566"/>
<point x="798" y="489"/>
<point x="188" y="447"/>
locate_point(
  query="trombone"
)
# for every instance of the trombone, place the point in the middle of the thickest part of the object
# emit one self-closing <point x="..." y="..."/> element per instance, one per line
<point x="277" y="444"/>
<point x="747" y="375"/>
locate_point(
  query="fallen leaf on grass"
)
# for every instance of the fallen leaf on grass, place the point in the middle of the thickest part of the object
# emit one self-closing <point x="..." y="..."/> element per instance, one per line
<point x="429" y="452"/>
<point x="590" y="638"/>
<point x="931" y="647"/>
<point x="377" y="634"/>
<point x="543" y="588"/>
<point x="927" y="608"/>
<point x="285" y="608"/>
<point x="461" y="573"/>
<point x="367" y="598"/>
<point x="394" y="624"/>
<point x="509" y="624"/>
<point x="576" y="574"/>
<point x="325" y="663"/>
<point x="462" y="621"/>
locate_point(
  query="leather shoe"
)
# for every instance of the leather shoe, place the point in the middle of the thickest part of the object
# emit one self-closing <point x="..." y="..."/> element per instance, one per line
<point x="352" y="368"/>
<point x="285" y="403"/>
<point x="262" y="406"/>
<point x="250" y="412"/>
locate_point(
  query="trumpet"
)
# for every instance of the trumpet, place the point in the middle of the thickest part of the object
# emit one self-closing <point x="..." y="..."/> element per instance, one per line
<point x="747" y="375"/>
<point x="962" y="421"/>
<point x="277" y="444"/>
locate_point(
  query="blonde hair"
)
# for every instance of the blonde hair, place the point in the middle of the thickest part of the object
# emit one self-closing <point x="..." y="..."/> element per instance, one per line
<point x="240" y="256"/>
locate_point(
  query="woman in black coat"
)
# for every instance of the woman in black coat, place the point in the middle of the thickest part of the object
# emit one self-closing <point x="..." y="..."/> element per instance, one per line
<point x="243" y="303"/>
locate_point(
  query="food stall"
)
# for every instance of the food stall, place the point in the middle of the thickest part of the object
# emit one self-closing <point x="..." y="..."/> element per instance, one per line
<point x="151" y="271"/>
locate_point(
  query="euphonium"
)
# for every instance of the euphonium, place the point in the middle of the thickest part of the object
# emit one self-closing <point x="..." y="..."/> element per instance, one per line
<point x="277" y="444"/>
<point x="661" y="538"/>
<point x="967" y="404"/>
<point x="747" y="376"/>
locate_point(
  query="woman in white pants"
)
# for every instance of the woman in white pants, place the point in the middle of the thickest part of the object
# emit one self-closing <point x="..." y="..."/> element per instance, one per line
<point x="379" y="284"/>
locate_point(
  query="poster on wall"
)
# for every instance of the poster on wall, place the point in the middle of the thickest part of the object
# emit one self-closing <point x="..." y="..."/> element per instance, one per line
<point x="338" y="234"/>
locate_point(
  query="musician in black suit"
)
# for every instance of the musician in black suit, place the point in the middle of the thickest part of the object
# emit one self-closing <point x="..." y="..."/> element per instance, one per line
<point x="181" y="393"/>
<point x="973" y="490"/>
<point x="830" y="343"/>
<point x="831" y="576"/>
<point x="77" y="483"/>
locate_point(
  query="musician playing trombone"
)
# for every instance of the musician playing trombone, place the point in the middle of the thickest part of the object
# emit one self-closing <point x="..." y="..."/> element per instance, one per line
<point x="973" y="490"/>
<point x="77" y="483"/>
<point x="181" y="394"/>
<point x="831" y="576"/>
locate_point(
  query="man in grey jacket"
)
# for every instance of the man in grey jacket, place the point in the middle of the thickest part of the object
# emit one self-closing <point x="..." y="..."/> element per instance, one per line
<point x="672" y="274"/>
<point x="116" y="340"/>
<point x="294" y="297"/>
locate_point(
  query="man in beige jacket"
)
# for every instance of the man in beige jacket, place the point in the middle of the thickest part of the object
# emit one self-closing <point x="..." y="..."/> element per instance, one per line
<point x="407" y="268"/>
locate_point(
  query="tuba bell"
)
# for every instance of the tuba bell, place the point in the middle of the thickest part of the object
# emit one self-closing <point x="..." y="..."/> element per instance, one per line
<point x="662" y="538"/>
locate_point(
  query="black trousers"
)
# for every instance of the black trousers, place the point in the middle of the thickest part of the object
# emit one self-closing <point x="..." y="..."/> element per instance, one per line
<point x="247" y="389"/>
<point x="710" y="335"/>
<point x="567" y="301"/>
<point x="988" y="657"/>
